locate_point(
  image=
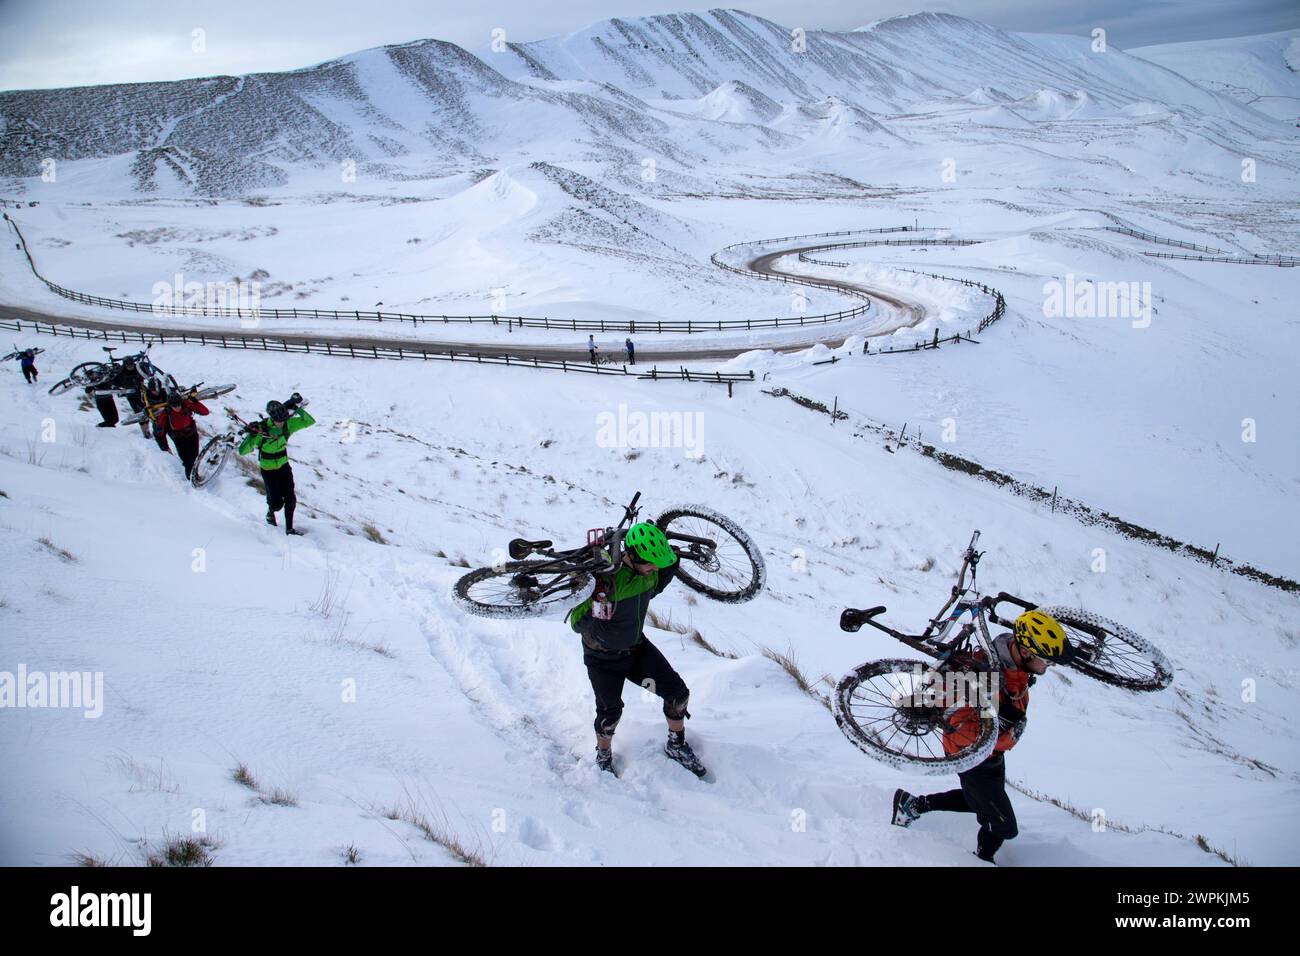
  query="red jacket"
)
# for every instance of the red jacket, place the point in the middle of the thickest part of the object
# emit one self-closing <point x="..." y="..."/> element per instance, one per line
<point x="180" y="421"/>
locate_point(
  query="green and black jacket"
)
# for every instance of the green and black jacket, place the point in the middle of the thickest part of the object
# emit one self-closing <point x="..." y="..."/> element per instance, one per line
<point x="630" y="594"/>
<point x="272" y="444"/>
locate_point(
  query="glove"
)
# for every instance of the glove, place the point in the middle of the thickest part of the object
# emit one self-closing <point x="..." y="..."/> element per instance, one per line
<point x="1013" y="727"/>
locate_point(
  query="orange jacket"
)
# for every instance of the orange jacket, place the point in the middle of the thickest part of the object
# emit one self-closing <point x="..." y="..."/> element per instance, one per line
<point x="1013" y="703"/>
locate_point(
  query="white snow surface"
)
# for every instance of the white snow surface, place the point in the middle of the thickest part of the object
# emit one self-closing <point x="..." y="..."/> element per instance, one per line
<point x="592" y="176"/>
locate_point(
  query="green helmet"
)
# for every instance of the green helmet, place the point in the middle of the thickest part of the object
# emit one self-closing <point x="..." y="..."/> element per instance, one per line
<point x="648" y="543"/>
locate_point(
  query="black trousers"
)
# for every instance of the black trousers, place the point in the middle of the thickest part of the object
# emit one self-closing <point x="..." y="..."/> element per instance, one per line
<point x="107" y="406"/>
<point x="279" y="491"/>
<point x="644" y="666"/>
<point x="187" y="448"/>
<point x="29" y="373"/>
<point x="984" y="793"/>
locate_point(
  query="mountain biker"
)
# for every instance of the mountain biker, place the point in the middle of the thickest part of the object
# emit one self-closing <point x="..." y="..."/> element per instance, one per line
<point x="125" y="377"/>
<point x="1038" y="641"/>
<point x="27" y="359"/>
<point x="177" y="420"/>
<point x="615" y="648"/>
<point x="631" y="351"/>
<point x="271" y="439"/>
<point x="591" y="347"/>
<point x="155" y="401"/>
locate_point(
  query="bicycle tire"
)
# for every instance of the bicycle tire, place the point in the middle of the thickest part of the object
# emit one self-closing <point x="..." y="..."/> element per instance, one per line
<point x="887" y="737"/>
<point x="215" y="391"/>
<point x="1113" y="654"/>
<point x="85" y="375"/>
<point x="511" y="586"/>
<point x="736" y="579"/>
<point x="211" y="461"/>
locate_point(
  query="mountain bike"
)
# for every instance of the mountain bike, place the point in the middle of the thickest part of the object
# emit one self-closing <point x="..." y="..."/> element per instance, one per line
<point x="17" y="352"/>
<point x="715" y="557"/>
<point x="219" y="449"/>
<point x="152" y="408"/>
<point x="92" y="374"/>
<point x="906" y="713"/>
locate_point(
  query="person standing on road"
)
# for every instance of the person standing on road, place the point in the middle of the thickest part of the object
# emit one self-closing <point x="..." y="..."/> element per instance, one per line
<point x="631" y="351"/>
<point x="271" y="439"/>
<point x="591" y="348"/>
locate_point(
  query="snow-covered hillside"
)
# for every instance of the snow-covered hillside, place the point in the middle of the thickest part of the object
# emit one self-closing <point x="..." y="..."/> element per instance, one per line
<point x="603" y="176"/>
<point x="222" y="644"/>
<point x="1263" y="72"/>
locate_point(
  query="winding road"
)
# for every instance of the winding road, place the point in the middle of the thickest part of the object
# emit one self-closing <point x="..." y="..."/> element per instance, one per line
<point x="910" y="314"/>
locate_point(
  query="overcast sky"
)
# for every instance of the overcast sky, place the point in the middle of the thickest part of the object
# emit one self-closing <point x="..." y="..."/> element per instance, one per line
<point x="49" y="43"/>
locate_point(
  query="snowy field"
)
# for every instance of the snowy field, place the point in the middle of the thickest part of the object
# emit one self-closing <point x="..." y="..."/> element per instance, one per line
<point x="337" y="668"/>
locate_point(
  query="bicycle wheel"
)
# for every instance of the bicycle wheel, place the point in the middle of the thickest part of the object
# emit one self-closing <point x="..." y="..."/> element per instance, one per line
<point x="1111" y="653"/>
<point x="520" y="589"/>
<point x="213" y="391"/>
<point x="885" y="708"/>
<point x="82" y="376"/>
<point x="732" y="572"/>
<point x="212" y="458"/>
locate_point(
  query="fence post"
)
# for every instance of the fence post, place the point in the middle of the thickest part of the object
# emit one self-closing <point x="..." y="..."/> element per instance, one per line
<point x="1054" y="499"/>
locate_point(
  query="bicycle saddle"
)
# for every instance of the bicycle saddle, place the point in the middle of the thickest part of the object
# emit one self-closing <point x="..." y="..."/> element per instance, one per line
<point x="520" y="548"/>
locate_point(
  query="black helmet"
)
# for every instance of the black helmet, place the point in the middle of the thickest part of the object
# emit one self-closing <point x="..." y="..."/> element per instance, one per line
<point x="277" y="412"/>
<point x="174" y="398"/>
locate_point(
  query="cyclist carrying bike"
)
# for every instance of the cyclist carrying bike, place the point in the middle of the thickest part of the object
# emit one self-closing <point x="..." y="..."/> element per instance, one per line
<point x="177" y="421"/>
<point x="1038" y="641"/>
<point x="271" y="439"/>
<point x="27" y="359"/>
<point x="615" y="648"/>
<point x="125" y="377"/>
<point x="155" y="403"/>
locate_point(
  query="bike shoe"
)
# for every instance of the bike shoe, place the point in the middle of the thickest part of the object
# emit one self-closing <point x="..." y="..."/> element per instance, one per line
<point x="905" y="809"/>
<point x="605" y="760"/>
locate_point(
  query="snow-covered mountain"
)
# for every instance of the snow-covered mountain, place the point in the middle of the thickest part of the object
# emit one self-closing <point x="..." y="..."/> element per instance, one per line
<point x="682" y="88"/>
<point x="1262" y="72"/>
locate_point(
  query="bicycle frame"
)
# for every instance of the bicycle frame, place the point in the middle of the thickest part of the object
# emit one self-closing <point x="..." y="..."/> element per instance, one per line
<point x="934" y="641"/>
<point x="589" y="559"/>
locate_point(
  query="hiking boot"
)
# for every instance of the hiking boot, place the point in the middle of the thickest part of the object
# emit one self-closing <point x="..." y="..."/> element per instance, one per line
<point x="678" y="749"/>
<point x="605" y="759"/>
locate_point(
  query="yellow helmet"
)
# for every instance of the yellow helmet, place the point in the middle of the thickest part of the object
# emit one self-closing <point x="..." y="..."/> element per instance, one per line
<point x="1041" y="634"/>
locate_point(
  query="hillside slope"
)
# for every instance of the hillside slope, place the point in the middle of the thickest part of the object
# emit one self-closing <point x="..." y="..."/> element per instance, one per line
<point x="484" y="727"/>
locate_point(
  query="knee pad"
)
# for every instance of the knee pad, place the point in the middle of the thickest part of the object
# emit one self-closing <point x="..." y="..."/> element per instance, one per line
<point x="675" y="707"/>
<point x="605" y="726"/>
